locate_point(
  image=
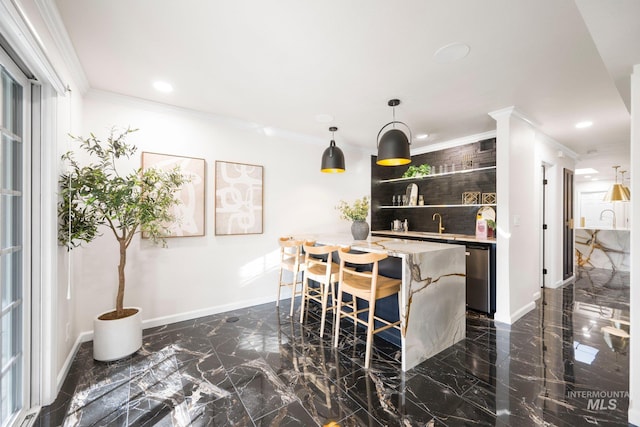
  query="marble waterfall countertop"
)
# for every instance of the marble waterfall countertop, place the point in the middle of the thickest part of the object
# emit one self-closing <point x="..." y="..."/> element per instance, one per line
<point x="432" y="297"/>
<point x="432" y="235"/>
<point x="608" y="248"/>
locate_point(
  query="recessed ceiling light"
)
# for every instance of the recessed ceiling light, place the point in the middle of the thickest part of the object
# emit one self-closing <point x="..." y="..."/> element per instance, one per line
<point x="584" y="124"/>
<point x="594" y="179"/>
<point x="422" y="136"/>
<point x="268" y="131"/>
<point x="584" y="171"/>
<point x="162" y="87"/>
<point x="587" y="176"/>
<point x="451" y="52"/>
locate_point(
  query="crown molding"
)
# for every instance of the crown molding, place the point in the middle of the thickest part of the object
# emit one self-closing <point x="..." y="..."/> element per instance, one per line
<point x="24" y="40"/>
<point x="513" y="111"/>
<point x="455" y="142"/>
<point x="55" y="25"/>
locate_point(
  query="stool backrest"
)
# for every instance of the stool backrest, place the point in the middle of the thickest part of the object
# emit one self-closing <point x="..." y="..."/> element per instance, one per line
<point x="360" y="259"/>
<point x="318" y="254"/>
<point x="290" y="248"/>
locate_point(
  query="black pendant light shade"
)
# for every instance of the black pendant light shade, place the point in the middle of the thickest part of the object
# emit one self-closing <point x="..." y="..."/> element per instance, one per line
<point x="332" y="158"/>
<point x="393" y="146"/>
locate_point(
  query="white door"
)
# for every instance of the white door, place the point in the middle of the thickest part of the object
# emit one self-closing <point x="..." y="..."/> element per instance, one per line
<point x="15" y="257"/>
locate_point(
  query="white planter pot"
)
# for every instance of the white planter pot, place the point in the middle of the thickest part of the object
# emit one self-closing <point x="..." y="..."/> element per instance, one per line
<point x="115" y="339"/>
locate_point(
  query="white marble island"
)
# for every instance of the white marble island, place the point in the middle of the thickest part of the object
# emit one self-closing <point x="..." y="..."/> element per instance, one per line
<point x="432" y="297"/>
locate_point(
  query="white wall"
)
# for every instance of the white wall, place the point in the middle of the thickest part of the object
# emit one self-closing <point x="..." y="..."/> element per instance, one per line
<point x="199" y="275"/>
<point x="521" y="150"/>
<point x="634" y="353"/>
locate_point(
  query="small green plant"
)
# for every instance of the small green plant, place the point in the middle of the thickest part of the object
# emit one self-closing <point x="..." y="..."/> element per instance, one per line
<point x="491" y="224"/>
<point x="96" y="195"/>
<point x="417" y="171"/>
<point x="356" y="212"/>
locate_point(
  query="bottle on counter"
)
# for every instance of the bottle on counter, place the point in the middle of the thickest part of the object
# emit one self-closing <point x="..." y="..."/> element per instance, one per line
<point x="481" y="229"/>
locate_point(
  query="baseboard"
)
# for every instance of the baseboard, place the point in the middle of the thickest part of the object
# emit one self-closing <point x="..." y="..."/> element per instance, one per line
<point x="174" y="318"/>
<point x="522" y="311"/>
<point x="189" y="315"/>
<point x="511" y="318"/>
<point x="62" y="375"/>
<point x="537" y="295"/>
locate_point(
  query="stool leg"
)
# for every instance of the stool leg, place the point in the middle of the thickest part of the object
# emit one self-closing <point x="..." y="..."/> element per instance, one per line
<point x="325" y="297"/>
<point x="370" y="327"/>
<point x="338" y="311"/>
<point x="294" y="283"/>
<point x="305" y="294"/>
<point x="279" y="287"/>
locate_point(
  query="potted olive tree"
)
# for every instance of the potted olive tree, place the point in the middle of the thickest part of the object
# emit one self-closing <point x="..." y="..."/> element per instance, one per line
<point x="95" y="197"/>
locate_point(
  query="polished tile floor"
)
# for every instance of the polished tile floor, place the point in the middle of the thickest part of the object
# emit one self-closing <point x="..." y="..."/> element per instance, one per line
<point x="565" y="364"/>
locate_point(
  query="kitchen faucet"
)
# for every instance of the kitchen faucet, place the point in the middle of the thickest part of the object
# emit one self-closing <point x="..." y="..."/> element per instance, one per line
<point x="440" y="227"/>
<point x="612" y="213"/>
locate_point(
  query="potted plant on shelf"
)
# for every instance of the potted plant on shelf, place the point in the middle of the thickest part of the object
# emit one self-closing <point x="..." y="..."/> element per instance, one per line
<point x="417" y="171"/>
<point x="358" y="214"/>
<point x="95" y="196"/>
<point x="491" y="228"/>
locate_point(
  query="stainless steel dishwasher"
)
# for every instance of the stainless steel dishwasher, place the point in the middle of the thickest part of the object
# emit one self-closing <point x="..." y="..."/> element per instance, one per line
<point x="478" y="282"/>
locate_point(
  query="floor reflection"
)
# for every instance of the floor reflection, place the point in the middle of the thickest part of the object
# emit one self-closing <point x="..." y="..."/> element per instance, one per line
<point x="564" y="363"/>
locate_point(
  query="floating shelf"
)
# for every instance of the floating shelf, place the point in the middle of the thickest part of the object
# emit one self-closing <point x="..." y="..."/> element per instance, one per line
<point x="434" y="175"/>
<point x="436" y="206"/>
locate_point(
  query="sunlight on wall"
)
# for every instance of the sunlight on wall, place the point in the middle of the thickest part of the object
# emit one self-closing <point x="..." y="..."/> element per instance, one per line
<point x="256" y="269"/>
<point x="503" y="233"/>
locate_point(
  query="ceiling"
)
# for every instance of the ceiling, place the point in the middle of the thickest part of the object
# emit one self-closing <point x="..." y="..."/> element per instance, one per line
<point x="296" y="68"/>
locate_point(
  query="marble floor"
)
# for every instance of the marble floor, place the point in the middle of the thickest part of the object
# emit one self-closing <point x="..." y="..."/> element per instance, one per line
<point x="565" y="363"/>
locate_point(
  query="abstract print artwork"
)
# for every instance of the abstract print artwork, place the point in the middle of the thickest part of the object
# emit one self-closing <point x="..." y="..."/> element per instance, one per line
<point x="190" y="213"/>
<point x="238" y="198"/>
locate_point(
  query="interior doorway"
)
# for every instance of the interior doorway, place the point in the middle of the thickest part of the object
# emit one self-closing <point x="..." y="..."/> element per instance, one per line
<point x="543" y="214"/>
<point x="567" y="229"/>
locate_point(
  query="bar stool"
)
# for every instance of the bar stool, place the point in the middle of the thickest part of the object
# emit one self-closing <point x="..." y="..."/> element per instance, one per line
<point x="366" y="285"/>
<point x="320" y="268"/>
<point x="292" y="260"/>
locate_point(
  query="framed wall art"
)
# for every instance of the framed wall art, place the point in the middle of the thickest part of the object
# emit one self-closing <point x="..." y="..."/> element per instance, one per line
<point x="238" y="205"/>
<point x="191" y="212"/>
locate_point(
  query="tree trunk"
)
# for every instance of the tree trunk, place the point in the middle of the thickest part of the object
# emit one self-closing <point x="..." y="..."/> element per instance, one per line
<point x="123" y="262"/>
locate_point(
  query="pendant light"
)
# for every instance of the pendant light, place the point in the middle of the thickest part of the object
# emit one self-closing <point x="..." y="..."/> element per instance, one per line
<point x="332" y="158"/>
<point x="624" y="187"/>
<point x="617" y="192"/>
<point x="393" y="146"/>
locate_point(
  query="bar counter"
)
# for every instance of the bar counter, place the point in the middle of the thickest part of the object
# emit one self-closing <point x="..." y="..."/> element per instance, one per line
<point x="432" y="297"/>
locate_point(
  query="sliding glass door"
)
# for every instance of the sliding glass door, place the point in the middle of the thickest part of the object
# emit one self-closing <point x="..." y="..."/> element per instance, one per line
<point x="14" y="241"/>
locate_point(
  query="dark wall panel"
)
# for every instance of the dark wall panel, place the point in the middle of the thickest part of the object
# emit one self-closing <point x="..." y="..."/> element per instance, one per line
<point x="436" y="190"/>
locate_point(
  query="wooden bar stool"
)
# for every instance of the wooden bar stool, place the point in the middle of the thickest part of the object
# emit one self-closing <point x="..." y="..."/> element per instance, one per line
<point x="320" y="268"/>
<point x="292" y="260"/>
<point x="366" y="285"/>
